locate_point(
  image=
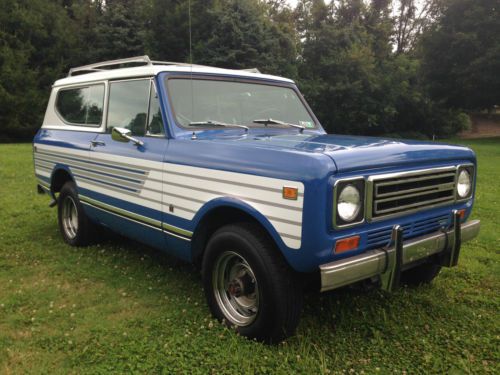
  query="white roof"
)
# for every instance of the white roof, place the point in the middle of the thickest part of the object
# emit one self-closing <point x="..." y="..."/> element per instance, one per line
<point x="152" y="70"/>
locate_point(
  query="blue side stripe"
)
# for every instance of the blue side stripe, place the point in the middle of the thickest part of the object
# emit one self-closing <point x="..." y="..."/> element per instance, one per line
<point x="43" y="178"/>
<point x="95" y="163"/>
<point x="106" y="183"/>
<point x="108" y="174"/>
<point x="117" y="167"/>
<point x="155" y="214"/>
<point x="128" y="179"/>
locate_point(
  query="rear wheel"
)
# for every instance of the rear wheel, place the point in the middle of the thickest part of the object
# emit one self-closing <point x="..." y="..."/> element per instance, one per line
<point x="75" y="226"/>
<point x="248" y="284"/>
<point x="422" y="274"/>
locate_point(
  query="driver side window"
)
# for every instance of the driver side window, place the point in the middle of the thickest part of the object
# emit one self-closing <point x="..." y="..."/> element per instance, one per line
<point x="128" y="105"/>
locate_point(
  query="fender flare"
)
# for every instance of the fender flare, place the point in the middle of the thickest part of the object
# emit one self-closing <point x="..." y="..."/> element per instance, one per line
<point x="246" y="208"/>
<point x="57" y="168"/>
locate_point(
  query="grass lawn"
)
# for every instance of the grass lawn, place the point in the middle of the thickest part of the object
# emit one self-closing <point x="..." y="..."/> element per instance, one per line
<point x="120" y="307"/>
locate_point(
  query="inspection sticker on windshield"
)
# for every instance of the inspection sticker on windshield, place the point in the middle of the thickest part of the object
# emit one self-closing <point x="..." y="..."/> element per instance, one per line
<point x="306" y="124"/>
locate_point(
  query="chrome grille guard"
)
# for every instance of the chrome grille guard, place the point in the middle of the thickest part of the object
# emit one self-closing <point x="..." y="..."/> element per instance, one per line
<point x="388" y="263"/>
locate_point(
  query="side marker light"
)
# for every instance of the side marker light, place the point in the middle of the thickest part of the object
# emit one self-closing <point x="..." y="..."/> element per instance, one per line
<point x="291" y="193"/>
<point x="346" y="244"/>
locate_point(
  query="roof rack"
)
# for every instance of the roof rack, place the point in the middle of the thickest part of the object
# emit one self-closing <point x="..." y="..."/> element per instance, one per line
<point x="145" y="60"/>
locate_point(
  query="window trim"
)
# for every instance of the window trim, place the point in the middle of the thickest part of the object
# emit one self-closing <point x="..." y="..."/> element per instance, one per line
<point x="148" y="134"/>
<point x="78" y="87"/>
<point x="210" y="77"/>
<point x="151" y="82"/>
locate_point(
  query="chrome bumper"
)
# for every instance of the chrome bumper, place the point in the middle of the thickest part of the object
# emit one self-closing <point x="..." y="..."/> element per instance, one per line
<point x="388" y="263"/>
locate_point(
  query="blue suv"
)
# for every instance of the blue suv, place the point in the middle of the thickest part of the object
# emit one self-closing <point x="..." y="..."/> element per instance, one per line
<point x="231" y="170"/>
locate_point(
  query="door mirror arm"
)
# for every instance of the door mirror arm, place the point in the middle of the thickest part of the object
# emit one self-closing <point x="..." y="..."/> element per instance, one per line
<point x="124" y="135"/>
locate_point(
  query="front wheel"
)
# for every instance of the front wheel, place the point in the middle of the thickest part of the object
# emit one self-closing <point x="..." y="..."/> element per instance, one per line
<point x="249" y="286"/>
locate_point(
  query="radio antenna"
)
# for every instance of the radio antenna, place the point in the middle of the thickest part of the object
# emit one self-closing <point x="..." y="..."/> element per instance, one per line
<point x="190" y="35"/>
<point x="191" y="61"/>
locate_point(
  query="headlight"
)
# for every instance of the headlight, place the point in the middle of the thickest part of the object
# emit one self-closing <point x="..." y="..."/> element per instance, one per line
<point x="349" y="203"/>
<point x="464" y="183"/>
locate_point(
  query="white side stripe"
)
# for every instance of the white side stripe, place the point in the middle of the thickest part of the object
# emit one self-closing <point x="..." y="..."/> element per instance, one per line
<point x="186" y="188"/>
<point x="41" y="172"/>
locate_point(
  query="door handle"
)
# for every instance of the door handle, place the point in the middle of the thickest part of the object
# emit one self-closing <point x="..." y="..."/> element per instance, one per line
<point x="97" y="143"/>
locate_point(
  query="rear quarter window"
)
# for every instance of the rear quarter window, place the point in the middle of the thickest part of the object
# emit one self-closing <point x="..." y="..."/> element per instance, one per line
<point x="82" y="106"/>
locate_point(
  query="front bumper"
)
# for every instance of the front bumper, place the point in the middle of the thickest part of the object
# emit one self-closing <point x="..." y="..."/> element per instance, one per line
<point x="388" y="263"/>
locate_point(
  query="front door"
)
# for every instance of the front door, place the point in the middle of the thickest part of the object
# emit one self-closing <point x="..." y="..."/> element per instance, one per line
<point x="124" y="191"/>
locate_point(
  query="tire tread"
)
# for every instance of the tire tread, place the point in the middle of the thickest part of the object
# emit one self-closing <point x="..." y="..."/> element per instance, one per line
<point x="286" y="288"/>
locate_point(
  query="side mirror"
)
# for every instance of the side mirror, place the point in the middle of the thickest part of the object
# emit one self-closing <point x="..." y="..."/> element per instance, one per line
<point x="121" y="134"/>
<point x="124" y="135"/>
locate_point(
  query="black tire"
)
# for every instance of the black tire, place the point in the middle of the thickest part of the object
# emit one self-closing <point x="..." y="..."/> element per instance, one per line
<point x="422" y="274"/>
<point x="277" y="288"/>
<point x="81" y="231"/>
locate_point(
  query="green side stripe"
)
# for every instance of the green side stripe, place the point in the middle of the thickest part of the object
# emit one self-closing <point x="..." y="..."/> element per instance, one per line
<point x="181" y="231"/>
<point x="43" y="184"/>
<point x="144" y="219"/>
<point x="120" y="211"/>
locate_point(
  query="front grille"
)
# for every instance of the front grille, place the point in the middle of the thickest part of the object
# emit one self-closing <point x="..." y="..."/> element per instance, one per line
<point x="382" y="237"/>
<point x="394" y="195"/>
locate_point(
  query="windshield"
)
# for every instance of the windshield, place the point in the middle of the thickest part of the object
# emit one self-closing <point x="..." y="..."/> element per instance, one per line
<point x="202" y="100"/>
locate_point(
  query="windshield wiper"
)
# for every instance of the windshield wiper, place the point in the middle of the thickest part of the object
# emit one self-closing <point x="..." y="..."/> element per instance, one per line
<point x="217" y="123"/>
<point x="270" y="121"/>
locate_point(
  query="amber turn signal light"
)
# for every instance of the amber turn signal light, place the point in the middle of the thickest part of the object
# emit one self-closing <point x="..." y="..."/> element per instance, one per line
<point x="290" y="193"/>
<point x="461" y="213"/>
<point x="346" y="244"/>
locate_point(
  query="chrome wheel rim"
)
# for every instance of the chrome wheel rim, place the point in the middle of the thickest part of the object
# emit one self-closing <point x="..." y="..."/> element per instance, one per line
<point x="69" y="217"/>
<point x="235" y="288"/>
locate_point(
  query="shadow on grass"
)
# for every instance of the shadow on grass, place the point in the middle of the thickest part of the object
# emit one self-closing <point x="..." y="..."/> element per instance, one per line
<point x="340" y="311"/>
<point x="350" y="313"/>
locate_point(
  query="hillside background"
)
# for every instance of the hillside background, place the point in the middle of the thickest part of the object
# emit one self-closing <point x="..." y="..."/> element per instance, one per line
<point x="399" y="68"/>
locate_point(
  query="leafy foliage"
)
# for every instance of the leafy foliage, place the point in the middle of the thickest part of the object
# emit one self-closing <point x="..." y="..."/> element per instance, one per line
<point x="35" y="43"/>
<point x="366" y="67"/>
<point x="241" y="36"/>
<point x="461" y="55"/>
<point x="355" y="81"/>
<point x="120" y="31"/>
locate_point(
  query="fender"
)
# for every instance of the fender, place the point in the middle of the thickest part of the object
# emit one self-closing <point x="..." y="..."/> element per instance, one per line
<point x="244" y="207"/>
<point x="58" y="167"/>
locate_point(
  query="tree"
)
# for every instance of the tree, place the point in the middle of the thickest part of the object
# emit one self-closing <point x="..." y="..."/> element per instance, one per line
<point x="36" y="45"/>
<point x="168" y="36"/>
<point x="355" y="82"/>
<point x="344" y="71"/>
<point x="364" y="67"/>
<point x="225" y="33"/>
<point x="85" y="16"/>
<point x="120" y="31"/>
<point x="242" y="36"/>
<point x="461" y="55"/>
<point x="412" y="21"/>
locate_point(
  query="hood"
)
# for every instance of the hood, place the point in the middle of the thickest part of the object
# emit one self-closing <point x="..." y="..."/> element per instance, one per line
<point x="351" y="153"/>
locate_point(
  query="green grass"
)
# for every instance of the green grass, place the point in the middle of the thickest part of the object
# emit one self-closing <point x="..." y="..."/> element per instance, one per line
<point x="121" y="307"/>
